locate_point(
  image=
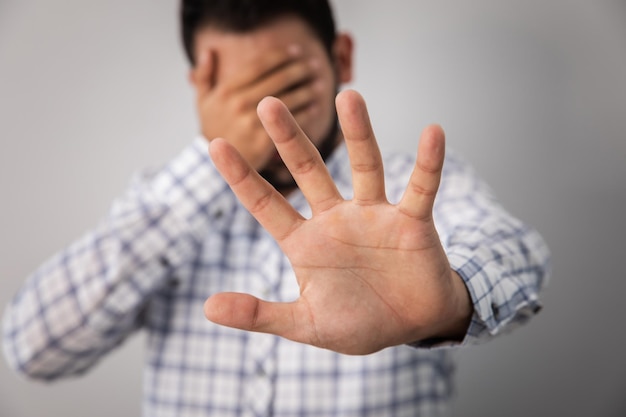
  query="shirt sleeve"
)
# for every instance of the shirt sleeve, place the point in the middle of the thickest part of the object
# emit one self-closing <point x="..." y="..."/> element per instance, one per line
<point x="88" y="298"/>
<point x="503" y="262"/>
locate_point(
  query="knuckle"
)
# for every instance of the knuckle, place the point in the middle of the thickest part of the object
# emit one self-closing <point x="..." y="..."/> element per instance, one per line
<point x="423" y="190"/>
<point x="261" y="203"/>
<point x="428" y="169"/>
<point x="250" y="123"/>
<point x="305" y="166"/>
<point x="364" y="168"/>
<point x="239" y="105"/>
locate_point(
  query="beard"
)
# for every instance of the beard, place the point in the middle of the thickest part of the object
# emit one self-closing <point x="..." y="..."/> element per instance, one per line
<point x="277" y="174"/>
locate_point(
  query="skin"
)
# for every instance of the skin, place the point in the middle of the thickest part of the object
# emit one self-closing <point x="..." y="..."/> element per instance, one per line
<point x="283" y="59"/>
<point x="371" y="274"/>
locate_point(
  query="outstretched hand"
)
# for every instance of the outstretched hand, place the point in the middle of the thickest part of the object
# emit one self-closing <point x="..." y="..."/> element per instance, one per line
<point x="371" y="274"/>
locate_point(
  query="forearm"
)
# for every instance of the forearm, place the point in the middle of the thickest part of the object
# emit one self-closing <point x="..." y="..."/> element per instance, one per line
<point x="78" y="305"/>
<point x="504" y="276"/>
<point x="503" y="262"/>
<point x="88" y="298"/>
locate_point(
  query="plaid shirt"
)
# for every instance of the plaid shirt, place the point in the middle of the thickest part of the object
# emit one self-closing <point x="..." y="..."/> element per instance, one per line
<point x="180" y="235"/>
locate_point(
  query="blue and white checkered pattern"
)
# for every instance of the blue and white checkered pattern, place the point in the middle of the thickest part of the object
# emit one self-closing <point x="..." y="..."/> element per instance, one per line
<point x="180" y="235"/>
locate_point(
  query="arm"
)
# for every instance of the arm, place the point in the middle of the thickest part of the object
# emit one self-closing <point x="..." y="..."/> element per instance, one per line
<point x="371" y="274"/>
<point x="87" y="299"/>
<point x="503" y="262"/>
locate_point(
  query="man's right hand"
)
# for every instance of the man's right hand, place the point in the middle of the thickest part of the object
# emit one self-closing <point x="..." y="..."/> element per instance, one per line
<point x="227" y="106"/>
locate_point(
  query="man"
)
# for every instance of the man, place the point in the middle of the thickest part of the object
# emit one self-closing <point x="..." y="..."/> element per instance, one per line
<point x="314" y="262"/>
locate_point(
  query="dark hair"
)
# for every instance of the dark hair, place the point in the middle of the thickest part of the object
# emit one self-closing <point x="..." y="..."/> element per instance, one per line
<point x="248" y="15"/>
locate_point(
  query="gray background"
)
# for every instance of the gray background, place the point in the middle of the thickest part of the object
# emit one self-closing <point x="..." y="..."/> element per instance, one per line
<point x="532" y="92"/>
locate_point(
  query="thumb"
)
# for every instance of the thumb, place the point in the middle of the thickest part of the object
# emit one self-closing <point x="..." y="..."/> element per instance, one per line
<point x="246" y="312"/>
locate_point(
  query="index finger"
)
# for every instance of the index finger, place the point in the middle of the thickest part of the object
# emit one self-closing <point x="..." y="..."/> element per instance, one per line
<point x="262" y="200"/>
<point x="299" y="155"/>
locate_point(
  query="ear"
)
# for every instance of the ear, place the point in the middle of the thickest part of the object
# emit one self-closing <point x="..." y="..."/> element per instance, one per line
<point x="202" y="74"/>
<point x="342" y="53"/>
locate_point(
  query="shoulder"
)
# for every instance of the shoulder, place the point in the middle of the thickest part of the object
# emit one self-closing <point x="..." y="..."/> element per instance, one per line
<point x="191" y="157"/>
<point x="188" y="176"/>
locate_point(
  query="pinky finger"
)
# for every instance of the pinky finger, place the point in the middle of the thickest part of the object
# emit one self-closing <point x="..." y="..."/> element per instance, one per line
<point x="419" y="197"/>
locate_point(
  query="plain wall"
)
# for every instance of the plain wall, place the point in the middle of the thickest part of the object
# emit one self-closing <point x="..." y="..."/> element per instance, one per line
<point x="533" y="93"/>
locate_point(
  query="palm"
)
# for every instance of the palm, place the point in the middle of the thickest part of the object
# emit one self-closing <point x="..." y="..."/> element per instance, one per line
<point x="371" y="274"/>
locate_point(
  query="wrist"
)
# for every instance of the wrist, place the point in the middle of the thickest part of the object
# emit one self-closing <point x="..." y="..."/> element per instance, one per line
<point x="463" y="310"/>
<point x="456" y="323"/>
